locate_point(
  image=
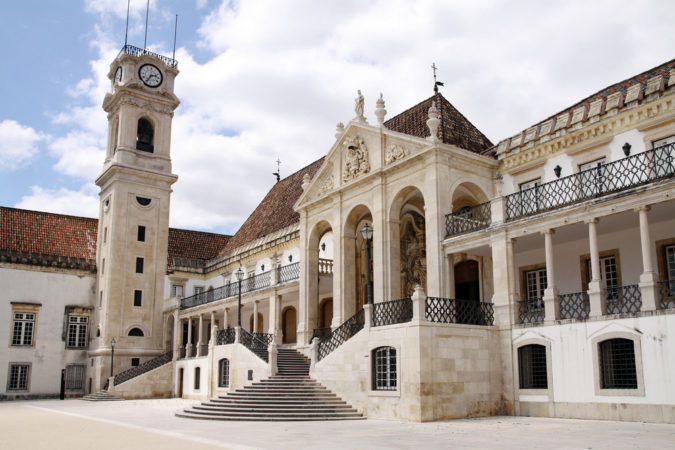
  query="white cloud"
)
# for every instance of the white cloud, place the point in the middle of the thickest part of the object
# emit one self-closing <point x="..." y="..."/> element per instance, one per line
<point x="64" y="201"/>
<point x="18" y="144"/>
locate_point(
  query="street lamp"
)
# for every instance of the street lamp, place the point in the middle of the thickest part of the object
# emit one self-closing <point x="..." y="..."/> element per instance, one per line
<point x="367" y="233"/>
<point x="240" y="275"/>
<point x="112" y="355"/>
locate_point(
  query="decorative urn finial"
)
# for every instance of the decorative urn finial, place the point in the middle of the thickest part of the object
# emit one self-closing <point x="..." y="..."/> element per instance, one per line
<point x="433" y="123"/>
<point x="339" y="130"/>
<point x="380" y="112"/>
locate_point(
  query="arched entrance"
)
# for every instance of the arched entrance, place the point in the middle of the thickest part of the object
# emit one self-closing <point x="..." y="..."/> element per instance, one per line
<point x="289" y="325"/>
<point x="355" y="275"/>
<point x="326" y="313"/>
<point x="407" y="252"/>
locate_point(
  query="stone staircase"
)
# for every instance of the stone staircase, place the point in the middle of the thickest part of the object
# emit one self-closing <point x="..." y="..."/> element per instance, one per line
<point x="101" y="396"/>
<point x="289" y="396"/>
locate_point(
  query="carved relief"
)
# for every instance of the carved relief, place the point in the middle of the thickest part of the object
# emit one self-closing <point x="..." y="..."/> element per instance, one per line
<point x="326" y="185"/>
<point x="356" y="158"/>
<point x="394" y="153"/>
<point x="413" y="253"/>
<point x="145" y="105"/>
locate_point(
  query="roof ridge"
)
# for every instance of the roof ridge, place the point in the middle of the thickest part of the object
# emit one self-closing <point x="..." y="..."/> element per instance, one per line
<point x="47" y="213"/>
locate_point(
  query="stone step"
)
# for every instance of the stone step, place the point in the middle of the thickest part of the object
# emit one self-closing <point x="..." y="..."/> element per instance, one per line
<point x="275" y="401"/>
<point x="101" y="396"/>
<point x="267" y="417"/>
<point x="268" y="409"/>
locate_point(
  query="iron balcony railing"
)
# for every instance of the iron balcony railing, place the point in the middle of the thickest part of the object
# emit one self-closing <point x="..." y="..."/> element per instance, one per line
<point x="226" y="336"/>
<point x="136" y="51"/>
<point x="531" y="310"/>
<point x="254" y="344"/>
<point x="288" y="273"/>
<point x="450" y="310"/>
<point x="341" y="334"/>
<point x="604" y="179"/>
<point x="666" y="293"/>
<point x="624" y="299"/>
<point x="267" y="338"/>
<point x="574" y="306"/>
<point x="471" y="219"/>
<point x="250" y="284"/>
<point x="392" y="312"/>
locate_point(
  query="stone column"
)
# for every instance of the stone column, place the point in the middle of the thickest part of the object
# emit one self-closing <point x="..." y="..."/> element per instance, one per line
<point x="596" y="287"/>
<point x="551" y="299"/>
<point x="255" y="317"/>
<point x="648" y="278"/>
<point x="177" y="335"/>
<point x="514" y="312"/>
<point x="226" y="317"/>
<point x="338" y="266"/>
<point x="213" y="326"/>
<point x="308" y="286"/>
<point x="200" y="339"/>
<point x="450" y="271"/>
<point x="501" y="275"/>
<point x="275" y="317"/>
<point x="380" y="242"/>
<point x="188" y="346"/>
<point x="434" y="221"/>
<point x="368" y="316"/>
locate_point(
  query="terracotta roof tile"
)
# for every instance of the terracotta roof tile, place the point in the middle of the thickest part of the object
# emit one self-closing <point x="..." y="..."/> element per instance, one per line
<point x="187" y="244"/>
<point x="275" y="211"/>
<point x="455" y="129"/>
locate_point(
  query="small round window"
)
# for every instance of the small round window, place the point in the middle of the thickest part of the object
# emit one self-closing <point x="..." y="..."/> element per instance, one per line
<point x="143" y="201"/>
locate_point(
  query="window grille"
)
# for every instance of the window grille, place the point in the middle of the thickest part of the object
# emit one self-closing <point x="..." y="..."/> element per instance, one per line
<point x="18" y="377"/>
<point x="224" y="373"/>
<point x="532" y="367"/>
<point x="75" y="377"/>
<point x="617" y="364"/>
<point x="77" y="331"/>
<point x="22" y="333"/>
<point x="384" y="369"/>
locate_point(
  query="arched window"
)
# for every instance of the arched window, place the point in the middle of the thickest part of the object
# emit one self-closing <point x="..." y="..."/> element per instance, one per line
<point x="144" y="136"/>
<point x="224" y="373"/>
<point x="384" y="369"/>
<point x="198" y="373"/>
<point x="617" y="364"/>
<point x="136" y="332"/>
<point x="532" y="367"/>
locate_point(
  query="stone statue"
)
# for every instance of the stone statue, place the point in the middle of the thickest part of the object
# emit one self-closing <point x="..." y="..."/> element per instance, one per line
<point x="358" y="107"/>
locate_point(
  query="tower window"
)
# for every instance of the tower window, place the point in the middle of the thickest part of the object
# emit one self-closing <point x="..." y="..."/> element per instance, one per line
<point x="141" y="233"/>
<point x="138" y="297"/>
<point x="139" y="265"/>
<point x="137" y="332"/>
<point x="143" y="201"/>
<point x="144" y="136"/>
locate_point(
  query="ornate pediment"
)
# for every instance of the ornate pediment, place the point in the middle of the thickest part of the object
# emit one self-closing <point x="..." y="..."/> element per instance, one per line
<point x="394" y="153"/>
<point x="355" y="158"/>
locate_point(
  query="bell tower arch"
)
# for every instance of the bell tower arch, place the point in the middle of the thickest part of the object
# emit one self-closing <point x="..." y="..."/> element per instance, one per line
<point x="135" y="189"/>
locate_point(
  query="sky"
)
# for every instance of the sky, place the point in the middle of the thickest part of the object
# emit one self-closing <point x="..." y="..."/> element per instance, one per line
<point x="267" y="79"/>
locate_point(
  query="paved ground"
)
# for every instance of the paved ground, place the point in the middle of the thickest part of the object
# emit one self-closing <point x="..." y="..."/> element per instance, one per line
<point x="150" y="424"/>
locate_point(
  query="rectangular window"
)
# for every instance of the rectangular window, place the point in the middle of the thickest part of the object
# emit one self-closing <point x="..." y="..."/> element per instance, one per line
<point x="141" y="233"/>
<point x="384" y="369"/>
<point x="18" y="377"/>
<point x="138" y="297"/>
<point x="77" y="331"/>
<point x="669" y="251"/>
<point x="75" y="377"/>
<point x="135" y="362"/>
<point x="593" y="177"/>
<point x="617" y="364"/>
<point x="535" y="283"/>
<point x="198" y="290"/>
<point x="529" y="196"/>
<point x="532" y="367"/>
<point x="139" y="265"/>
<point x="24" y="325"/>
<point x="608" y="272"/>
<point x="103" y="266"/>
<point x="105" y="234"/>
<point x="176" y="290"/>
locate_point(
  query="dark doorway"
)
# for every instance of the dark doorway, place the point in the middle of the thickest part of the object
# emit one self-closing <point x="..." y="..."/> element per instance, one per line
<point x="466" y="281"/>
<point x="180" y="383"/>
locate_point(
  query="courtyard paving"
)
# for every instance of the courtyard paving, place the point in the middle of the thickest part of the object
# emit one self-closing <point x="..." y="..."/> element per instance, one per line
<point x="150" y="424"/>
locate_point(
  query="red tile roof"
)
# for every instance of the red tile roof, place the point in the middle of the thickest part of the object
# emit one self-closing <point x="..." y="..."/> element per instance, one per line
<point x="58" y="240"/>
<point x="275" y="211"/>
<point x="455" y="129"/>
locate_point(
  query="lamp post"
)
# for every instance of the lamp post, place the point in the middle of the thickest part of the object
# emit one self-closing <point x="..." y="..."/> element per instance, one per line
<point x="367" y="233"/>
<point x="240" y="275"/>
<point x="112" y="355"/>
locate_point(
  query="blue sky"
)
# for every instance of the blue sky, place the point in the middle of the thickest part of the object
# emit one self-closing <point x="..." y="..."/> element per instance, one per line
<point x="266" y="79"/>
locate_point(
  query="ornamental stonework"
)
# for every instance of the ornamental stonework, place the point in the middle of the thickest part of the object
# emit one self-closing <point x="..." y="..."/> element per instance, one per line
<point x="355" y="158"/>
<point x="326" y="185"/>
<point x="394" y="153"/>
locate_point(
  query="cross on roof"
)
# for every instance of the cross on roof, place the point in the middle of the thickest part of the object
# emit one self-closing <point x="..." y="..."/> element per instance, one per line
<point x="436" y="83"/>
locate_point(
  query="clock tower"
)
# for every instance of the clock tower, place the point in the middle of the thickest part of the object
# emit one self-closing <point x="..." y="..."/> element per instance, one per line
<point x="133" y="223"/>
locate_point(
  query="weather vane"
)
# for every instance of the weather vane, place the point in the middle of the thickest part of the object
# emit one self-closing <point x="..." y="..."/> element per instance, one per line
<point x="436" y="83"/>
<point x="278" y="172"/>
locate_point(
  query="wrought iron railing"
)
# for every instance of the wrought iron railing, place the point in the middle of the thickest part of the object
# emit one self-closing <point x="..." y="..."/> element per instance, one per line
<point x="340" y="335"/>
<point x="142" y="368"/>
<point x="267" y="338"/>
<point x="574" y="306"/>
<point x="470" y="219"/>
<point x="624" y="299"/>
<point x="450" y="310"/>
<point x="531" y="310"/>
<point x="250" y="284"/>
<point x="325" y="266"/>
<point x="666" y="293"/>
<point x="393" y="311"/>
<point x="628" y="172"/>
<point x="320" y="333"/>
<point x="288" y="273"/>
<point x="254" y="344"/>
<point x="226" y="336"/>
<point x="204" y="350"/>
<point x="136" y="51"/>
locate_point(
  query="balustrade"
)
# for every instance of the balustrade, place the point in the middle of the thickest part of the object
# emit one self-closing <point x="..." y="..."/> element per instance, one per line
<point x="136" y="51"/>
<point x="450" y="310"/>
<point x="624" y="299"/>
<point x="392" y="312"/>
<point x="469" y="219"/>
<point x="226" y="336"/>
<point x="574" y="306"/>
<point x="666" y="292"/>
<point x="254" y="344"/>
<point x="531" y="310"/>
<point x="340" y="335"/>
<point x="325" y="266"/>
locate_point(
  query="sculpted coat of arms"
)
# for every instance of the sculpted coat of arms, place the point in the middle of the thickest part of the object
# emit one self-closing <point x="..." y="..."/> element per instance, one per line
<point x="356" y="158"/>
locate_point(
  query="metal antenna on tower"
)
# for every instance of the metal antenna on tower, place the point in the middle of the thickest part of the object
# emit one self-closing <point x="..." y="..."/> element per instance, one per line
<point x="147" y="10"/>
<point x="436" y="83"/>
<point x="126" y="32"/>
<point x="278" y="172"/>
<point x="175" y="30"/>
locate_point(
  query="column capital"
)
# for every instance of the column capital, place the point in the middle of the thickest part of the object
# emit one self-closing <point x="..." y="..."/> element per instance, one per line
<point x="547" y="231"/>
<point x="592" y="220"/>
<point x="642" y="208"/>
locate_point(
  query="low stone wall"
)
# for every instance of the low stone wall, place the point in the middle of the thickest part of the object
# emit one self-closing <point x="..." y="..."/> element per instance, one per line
<point x="156" y="383"/>
<point x="242" y="360"/>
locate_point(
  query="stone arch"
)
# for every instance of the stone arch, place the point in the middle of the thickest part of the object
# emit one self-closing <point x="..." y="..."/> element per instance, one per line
<point x="407" y="242"/>
<point x="313" y="274"/>
<point x="465" y="194"/>
<point x="145" y="134"/>
<point x="354" y="276"/>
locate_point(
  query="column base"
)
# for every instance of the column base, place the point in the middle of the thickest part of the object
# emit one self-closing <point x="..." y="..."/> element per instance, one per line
<point x="551" y="304"/>
<point x="649" y="289"/>
<point x="597" y="296"/>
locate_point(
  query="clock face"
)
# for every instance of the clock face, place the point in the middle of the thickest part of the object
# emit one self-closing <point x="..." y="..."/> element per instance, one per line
<point x="150" y="75"/>
<point x="118" y="74"/>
